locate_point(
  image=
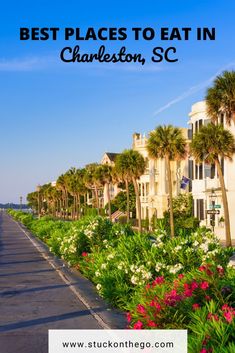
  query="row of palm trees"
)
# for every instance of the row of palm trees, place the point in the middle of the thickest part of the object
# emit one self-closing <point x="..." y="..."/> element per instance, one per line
<point x="210" y="145"/>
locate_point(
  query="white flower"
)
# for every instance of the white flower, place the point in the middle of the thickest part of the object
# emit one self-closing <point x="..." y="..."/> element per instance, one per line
<point x="148" y="275"/>
<point x="103" y="266"/>
<point x="110" y="256"/>
<point x="134" y="279"/>
<point x="158" y="266"/>
<point x="98" y="287"/>
<point x="178" y="247"/>
<point x="97" y="273"/>
<point x="204" y="247"/>
<point x="133" y="268"/>
<point x="175" y="268"/>
<point x="231" y="264"/>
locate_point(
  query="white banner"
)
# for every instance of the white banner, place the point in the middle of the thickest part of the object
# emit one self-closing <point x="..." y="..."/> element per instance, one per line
<point x="117" y="341"/>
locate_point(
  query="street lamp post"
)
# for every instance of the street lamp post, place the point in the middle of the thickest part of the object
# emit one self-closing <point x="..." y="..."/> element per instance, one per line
<point x="21" y="199"/>
<point x="212" y="197"/>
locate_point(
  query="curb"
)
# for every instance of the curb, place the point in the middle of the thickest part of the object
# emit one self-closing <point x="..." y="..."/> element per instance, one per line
<point x="112" y="318"/>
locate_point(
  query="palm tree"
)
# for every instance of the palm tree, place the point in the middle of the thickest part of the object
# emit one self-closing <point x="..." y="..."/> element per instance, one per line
<point x="92" y="181"/>
<point x="104" y="175"/>
<point x="132" y="164"/>
<point x="220" y="98"/>
<point x="120" y="174"/>
<point x="211" y="144"/>
<point x="32" y="199"/>
<point x="167" y="142"/>
<point x="62" y="185"/>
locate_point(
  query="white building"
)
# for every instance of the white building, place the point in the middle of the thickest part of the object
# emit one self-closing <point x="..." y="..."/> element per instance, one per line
<point x="109" y="158"/>
<point x="153" y="184"/>
<point x="205" y="181"/>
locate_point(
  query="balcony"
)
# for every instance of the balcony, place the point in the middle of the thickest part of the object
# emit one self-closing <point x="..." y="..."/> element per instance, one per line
<point x="212" y="183"/>
<point x="143" y="199"/>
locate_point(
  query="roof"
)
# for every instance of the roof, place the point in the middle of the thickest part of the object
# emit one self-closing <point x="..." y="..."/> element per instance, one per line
<point x="112" y="156"/>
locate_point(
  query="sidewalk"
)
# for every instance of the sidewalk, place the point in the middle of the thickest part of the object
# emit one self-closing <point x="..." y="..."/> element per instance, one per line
<point x="33" y="296"/>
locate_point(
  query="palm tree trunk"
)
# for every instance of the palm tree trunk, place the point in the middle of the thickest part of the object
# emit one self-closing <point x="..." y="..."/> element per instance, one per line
<point x="97" y="200"/>
<point x="168" y="168"/>
<point x="78" y="206"/>
<point x="138" y="203"/>
<point x="225" y="204"/>
<point x="127" y="201"/>
<point x="109" y="203"/>
<point x="66" y="203"/>
<point x="74" y="207"/>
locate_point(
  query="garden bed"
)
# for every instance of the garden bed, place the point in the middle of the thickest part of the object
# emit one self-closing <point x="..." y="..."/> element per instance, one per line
<point x="184" y="282"/>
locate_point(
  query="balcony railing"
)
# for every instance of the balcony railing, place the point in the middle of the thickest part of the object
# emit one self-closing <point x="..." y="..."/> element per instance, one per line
<point x="212" y="183"/>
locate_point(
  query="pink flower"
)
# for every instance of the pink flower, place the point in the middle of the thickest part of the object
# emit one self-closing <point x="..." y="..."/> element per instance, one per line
<point x="151" y="324"/>
<point x="208" y="298"/>
<point x="225" y="307"/>
<point x="141" y="309"/>
<point x="211" y="316"/>
<point x="158" y="280"/>
<point x="204" y="285"/>
<point x="138" y="325"/>
<point x="209" y="272"/>
<point x="181" y="275"/>
<point x="188" y="293"/>
<point x="84" y="253"/>
<point x="194" y="285"/>
<point x="172" y="298"/>
<point x="155" y="304"/>
<point x="228" y="316"/>
<point x="202" y="268"/>
<point x="196" y="306"/>
<point x="173" y="292"/>
<point x="128" y="317"/>
<point x="220" y="270"/>
<point x="203" y="350"/>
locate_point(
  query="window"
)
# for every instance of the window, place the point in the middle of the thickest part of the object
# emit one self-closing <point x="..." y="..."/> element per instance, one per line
<point x="190" y="169"/>
<point x="200" y="209"/>
<point x="200" y="124"/>
<point x="190" y="132"/>
<point x="201" y="171"/>
<point x="212" y="171"/>
<point x="209" y="171"/>
<point x="196" y="171"/>
<point x="222" y="119"/>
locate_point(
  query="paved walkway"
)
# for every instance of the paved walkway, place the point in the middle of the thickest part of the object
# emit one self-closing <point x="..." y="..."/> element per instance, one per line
<point x="33" y="297"/>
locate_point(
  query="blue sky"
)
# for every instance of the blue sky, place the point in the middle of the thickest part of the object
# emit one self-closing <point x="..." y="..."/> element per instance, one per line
<point x="55" y="115"/>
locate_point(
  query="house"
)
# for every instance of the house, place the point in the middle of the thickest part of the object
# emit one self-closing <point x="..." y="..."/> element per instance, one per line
<point x="109" y="158"/>
<point x="153" y="184"/>
<point x="206" y="188"/>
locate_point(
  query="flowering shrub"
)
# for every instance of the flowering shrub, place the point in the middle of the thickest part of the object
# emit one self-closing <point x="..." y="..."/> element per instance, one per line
<point x="203" y="298"/>
<point x="163" y="282"/>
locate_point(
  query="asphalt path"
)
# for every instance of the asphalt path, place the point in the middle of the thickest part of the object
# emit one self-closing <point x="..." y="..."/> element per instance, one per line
<point x="33" y="296"/>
